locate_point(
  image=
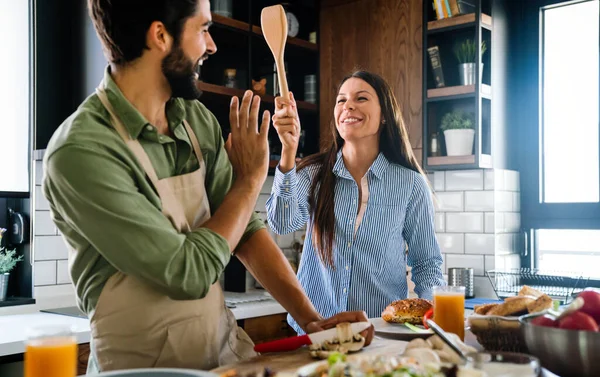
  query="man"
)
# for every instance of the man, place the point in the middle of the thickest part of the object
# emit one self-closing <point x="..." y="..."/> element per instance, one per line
<point x="141" y="187"/>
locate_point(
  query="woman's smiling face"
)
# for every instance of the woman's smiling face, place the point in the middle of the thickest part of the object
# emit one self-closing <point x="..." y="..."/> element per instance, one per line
<point x="357" y="111"/>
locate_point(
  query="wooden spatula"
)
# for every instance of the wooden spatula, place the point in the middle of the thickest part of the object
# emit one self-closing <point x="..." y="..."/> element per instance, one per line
<point x="274" y="27"/>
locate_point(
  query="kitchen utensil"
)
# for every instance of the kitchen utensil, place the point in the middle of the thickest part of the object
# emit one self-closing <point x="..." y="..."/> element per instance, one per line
<point x="462" y="277"/>
<point x="274" y="27"/>
<point x="564" y="352"/>
<point x="290" y="344"/>
<point x="444" y="336"/>
<point x="397" y="331"/>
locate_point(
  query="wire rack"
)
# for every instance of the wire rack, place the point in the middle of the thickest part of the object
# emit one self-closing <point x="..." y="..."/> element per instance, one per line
<point x="562" y="286"/>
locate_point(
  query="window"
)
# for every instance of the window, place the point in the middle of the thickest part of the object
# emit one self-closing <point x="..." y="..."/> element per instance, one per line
<point x="15" y="96"/>
<point x="570" y="161"/>
<point x="570" y="251"/>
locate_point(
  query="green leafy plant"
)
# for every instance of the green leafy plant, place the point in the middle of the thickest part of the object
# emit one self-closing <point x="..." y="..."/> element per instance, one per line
<point x="466" y="52"/>
<point x="8" y="259"/>
<point x="457" y="120"/>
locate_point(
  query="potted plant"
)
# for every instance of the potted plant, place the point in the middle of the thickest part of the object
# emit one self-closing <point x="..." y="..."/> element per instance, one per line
<point x="8" y="261"/>
<point x="458" y="127"/>
<point x="466" y="53"/>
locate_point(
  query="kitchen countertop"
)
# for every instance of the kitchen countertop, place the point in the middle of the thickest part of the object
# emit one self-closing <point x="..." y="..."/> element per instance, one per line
<point x="13" y="327"/>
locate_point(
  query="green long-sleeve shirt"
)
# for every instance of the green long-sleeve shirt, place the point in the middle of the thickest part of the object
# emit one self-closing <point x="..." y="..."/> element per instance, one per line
<point x="109" y="213"/>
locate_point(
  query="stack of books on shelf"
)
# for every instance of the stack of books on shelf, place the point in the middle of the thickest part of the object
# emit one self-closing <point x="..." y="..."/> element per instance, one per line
<point x="450" y="8"/>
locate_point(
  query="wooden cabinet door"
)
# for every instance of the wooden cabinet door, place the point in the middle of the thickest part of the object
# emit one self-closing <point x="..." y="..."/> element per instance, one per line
<point x="381" y="36"/>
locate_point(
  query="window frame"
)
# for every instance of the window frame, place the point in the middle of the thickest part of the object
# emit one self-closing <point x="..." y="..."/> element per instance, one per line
<point x="31" y="100"/>
<point x="534" y="213"/>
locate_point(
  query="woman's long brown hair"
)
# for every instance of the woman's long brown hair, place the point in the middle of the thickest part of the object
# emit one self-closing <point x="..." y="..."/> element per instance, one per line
<point x="393" y="143"/>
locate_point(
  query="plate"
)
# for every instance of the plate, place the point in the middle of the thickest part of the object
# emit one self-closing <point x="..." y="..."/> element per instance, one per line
<point x="396" y="330"/>
<point x="157" y="372"/>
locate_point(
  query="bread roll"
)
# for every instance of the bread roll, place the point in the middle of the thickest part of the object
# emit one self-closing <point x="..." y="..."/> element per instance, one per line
<point x="410" y="310"/>
<point x="511" y="307"/>
<point x="528" y="291"/>
<point x="542" y="303"/>
<point x="484" y="309"/>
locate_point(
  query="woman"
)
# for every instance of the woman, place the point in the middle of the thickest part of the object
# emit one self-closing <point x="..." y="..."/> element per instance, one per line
<point x="365" y="200"/>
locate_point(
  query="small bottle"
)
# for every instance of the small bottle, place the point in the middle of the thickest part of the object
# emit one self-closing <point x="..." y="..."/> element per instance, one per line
<point x="434" y="145"/>
<point x="230" y="81"/>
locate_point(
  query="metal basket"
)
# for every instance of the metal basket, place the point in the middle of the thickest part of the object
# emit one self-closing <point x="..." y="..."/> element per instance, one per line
<point x="562" y="286"/>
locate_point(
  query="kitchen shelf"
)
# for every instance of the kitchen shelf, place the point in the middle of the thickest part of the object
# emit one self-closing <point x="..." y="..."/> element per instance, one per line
<point x="291" y="40"/>
<point x="230" y="92"/>
<point x="457" y="22"/>
<point x="245" y="27"/>
<point x="485" y="161"/>
<point x="457" y="92"/>
<point x="14" y="301"/>
<point x="230" y="22"/>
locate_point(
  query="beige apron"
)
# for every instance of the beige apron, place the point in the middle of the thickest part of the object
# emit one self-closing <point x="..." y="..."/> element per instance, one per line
<point x="133" y="325"/>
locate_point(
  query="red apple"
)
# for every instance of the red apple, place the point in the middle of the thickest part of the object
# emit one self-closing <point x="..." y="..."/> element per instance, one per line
<point x="545" y="321"/>
<point x="578" y="321"/>
<point x="591" y="304"/>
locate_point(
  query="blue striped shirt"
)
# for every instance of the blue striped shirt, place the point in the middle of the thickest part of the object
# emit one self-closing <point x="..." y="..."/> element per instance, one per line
<point x="370" y="261"/>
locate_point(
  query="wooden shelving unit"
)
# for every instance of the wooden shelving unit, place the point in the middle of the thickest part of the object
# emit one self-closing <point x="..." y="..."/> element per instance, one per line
<point x="459" y="21"/>
<point x="244" y="26"/>
<point x="476" y="99"/>
<point x="453" y="92"/>
<point x="230" y="92"/>
<point x="457" y="161"/>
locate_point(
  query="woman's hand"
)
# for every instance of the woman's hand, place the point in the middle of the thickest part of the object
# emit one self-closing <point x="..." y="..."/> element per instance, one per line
<point x="287" y="123"/>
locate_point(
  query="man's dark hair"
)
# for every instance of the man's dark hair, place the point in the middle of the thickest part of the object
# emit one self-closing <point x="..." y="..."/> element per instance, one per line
<point x="122" y="24"/>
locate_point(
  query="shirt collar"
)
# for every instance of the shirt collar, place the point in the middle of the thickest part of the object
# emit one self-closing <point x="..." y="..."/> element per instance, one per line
<point x="132" y="119"/>
<point x="378" y="168"/>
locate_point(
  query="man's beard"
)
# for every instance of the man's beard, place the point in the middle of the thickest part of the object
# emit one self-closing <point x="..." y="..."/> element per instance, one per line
<point x="179" y="71"/>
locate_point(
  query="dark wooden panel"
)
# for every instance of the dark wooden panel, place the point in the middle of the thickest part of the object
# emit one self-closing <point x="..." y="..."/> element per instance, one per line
<point x="382" y="36"/>
<point x="82" y="358"/>
<point x="268" y="328"/>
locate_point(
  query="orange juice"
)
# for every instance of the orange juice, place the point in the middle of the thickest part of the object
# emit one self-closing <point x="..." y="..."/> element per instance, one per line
<point x="449" y="309"/>
<point x="51" y="356"/>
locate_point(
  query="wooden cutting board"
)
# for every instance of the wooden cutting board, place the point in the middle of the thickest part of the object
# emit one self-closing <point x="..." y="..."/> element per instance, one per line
<point x="291" y="361"/>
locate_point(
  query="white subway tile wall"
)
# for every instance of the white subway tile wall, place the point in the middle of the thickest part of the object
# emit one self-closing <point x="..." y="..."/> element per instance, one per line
<point x="489" y="222"/>
<point x="479" y="243"/>
<point x="484" y="232"/>
<point x="450" y="201"/>
<point x="452" y="243"/>
<point x="466" y="260"/>
<point x="50" y="252"/>
<point x="462" y="180"/>
<point x="479" y="201"/>
<point x="440" y="221"/>
<point x="44" y="273"/>
<point x="464" y="222"/>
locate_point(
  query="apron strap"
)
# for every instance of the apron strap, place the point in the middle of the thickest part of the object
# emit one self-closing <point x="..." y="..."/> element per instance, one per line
<point x="194" y="141"/>
<point x="134" y="144"/>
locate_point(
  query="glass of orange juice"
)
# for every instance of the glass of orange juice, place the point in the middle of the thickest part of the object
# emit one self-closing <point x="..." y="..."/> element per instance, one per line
<point x="51" y="351"/>
<point x="449" y="309"/>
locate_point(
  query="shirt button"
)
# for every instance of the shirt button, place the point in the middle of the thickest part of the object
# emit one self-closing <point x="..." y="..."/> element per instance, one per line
<point x="344" y="290"/>
<point x="287" y="182"/>
<point x="287" y="189"/>
<point x="286" y="205"/>
<point x="349" y="221"/>
<point x="149" y="128"/>
<point x="349" y="244"/>
<point x="347" y="268"/>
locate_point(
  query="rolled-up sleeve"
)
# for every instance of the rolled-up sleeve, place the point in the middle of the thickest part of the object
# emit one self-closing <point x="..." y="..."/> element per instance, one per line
<point x="287" y="207"/>
<point x="424" y="255"/>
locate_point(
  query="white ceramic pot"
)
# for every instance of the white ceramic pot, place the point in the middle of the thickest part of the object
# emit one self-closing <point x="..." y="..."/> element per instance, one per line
<point x="459" y="142"/>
